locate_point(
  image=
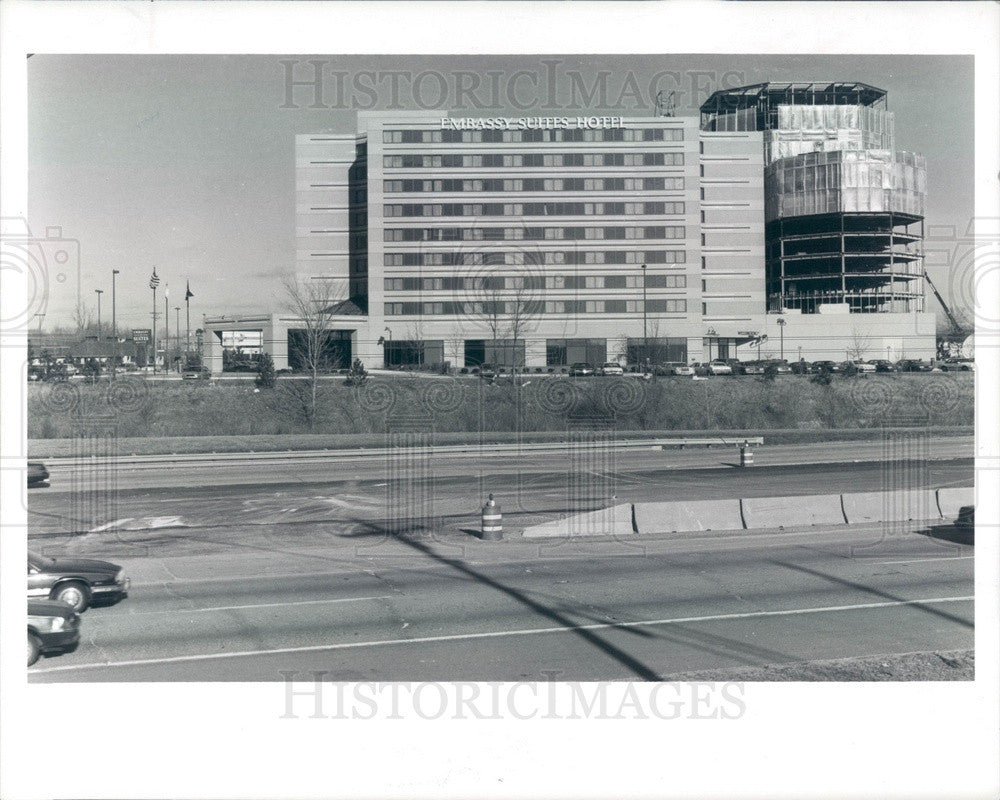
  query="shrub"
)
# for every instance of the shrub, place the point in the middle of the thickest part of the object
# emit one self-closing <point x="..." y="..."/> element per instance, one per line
<point x="357" y="375"/>
<point x="770" y="372"/>
<point x="821" y="378"/>
<point x="266" y="377"/>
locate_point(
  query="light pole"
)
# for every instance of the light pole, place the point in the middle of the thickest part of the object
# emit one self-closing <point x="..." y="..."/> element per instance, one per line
<point x="781" y="327"/>
<point x="177" y="319"/>
<point x="114" y="325"/>
<point x="645" y="335"/>
<point x="98" y="292"/>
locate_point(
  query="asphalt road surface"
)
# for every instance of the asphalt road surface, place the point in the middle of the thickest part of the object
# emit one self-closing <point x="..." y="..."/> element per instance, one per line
<point x="245" y="605"/>
<point x="448" y="491"/>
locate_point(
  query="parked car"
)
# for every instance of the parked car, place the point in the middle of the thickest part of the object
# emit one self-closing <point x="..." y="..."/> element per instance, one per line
<point x="958" y="365"/>
<point x="53" y="627"/>
<point x="800" y="367"/>
<point x="674" y="368"/>
<point x="612" y="368"/>
<point x="737" y="366"/>
<point x="966" y="518"/>
<point x="488" y="371"/>
<point x="859" y="366"/>
<point x="38" y="473"/>
<point x="719" y="367"/>
<point x="827" y="366"/>
<point x="780" y="365"/>
<point x="581" y="369"/>
<point x="754" y="367"/>
<point x="76" y="581"/>
<point x="882" y="365"/>
<point x="913" y="365"/>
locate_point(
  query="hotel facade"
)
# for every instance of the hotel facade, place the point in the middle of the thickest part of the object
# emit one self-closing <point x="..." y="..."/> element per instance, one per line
<point x="782" y="222"/>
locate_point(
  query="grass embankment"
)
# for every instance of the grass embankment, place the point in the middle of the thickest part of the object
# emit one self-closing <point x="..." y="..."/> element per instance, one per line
<point x="198" y="417"/>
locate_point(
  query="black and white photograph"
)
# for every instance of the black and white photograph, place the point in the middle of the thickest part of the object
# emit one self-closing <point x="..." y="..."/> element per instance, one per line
<point x="542" y="385"/>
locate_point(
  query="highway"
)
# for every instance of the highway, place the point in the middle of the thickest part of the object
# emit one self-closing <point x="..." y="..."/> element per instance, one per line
<point x="447" y="491"/>
<point x="371" y="569"/>
<point x="246" y="605"/>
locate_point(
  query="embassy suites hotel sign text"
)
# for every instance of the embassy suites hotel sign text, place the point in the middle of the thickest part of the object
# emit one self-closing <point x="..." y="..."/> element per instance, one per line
<point x="528" y="123"/>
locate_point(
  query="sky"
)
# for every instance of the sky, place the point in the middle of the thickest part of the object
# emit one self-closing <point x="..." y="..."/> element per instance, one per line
<point x="187" y="162"/>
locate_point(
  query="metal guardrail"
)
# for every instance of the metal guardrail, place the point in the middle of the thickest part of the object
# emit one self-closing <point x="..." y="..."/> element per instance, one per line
<point x="472" y="449"/>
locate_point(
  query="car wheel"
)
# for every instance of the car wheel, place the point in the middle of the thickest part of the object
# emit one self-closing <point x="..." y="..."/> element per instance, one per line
<point x="34" y="648"/>
<point x="74" y="593"/>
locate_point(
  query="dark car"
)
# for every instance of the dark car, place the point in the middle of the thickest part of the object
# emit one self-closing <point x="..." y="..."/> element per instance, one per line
<point x="800" y="367"/>
<point x="37" y="473"/>
<point x="737" y="366"/>
<point x="581" y="369"/>
<point x="75" y="581"/>
<point x="913" y="365"/>
<point x="881" y="365"/>
<point x="827" y="366"/>
<point x="53" y="627"/>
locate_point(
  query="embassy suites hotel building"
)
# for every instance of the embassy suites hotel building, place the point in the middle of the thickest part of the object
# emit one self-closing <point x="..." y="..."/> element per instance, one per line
<point x="544" y="241"/>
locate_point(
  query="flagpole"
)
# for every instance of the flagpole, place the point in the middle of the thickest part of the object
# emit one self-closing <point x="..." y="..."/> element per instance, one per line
<point x="166" y="322"/>
<point x="154" y="326"/>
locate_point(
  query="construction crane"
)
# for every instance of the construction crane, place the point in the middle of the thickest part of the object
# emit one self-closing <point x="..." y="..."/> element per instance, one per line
<point x="957" y="329"/>
<point x="958" y="332"/>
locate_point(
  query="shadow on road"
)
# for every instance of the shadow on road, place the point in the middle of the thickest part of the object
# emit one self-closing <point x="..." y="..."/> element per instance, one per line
<point x="876" y="592"/>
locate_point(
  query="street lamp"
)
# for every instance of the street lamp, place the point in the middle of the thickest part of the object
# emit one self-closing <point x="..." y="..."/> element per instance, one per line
<point x="98" y="292"/>
<point x="781" y="327"/>
<point x="177" y="319"/>
<point x="114" y="325"/>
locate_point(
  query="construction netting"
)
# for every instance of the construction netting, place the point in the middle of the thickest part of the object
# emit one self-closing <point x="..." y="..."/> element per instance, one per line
<point x="845" y="181"/>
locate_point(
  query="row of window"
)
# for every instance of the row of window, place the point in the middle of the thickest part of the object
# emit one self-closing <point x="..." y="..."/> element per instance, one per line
<point x="531" y="234"/>
<point x="415" y="161"/>
<point x="534" y="307"/>
<point x="519" y="257"/>
<point x="535" y="135"/>
<point x="535" y="185"/>
<point x="516" y="282"/>
<point x="527" y="209"/>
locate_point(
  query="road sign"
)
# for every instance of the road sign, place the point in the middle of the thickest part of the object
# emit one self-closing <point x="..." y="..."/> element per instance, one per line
<point x="142" y="335"/>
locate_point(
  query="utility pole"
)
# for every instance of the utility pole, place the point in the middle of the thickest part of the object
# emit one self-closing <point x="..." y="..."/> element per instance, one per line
<point x="114" y="326"/>
<point x="177" y="319"/>
<point x="166" y="326"/>
<point x="781" y="327"/>
<point x="98" y="292"/>
<point x="154" y="281"/>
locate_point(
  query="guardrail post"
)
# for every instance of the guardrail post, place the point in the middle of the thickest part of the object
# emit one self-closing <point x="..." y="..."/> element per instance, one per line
<point x="746" y="454"/>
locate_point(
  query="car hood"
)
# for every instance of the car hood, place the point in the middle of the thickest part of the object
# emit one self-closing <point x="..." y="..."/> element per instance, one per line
<point x="49" y="608"/>
<point x="80" y="565"/>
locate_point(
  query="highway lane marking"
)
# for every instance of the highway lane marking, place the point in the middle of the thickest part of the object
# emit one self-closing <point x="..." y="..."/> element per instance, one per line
<point x="499" y="634"/>
<point x="264" y="605"/>
<point x="921" y="560"/>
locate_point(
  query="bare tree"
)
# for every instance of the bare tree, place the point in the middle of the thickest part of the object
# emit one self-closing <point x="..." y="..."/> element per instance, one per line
<point x="312" y="303"/>
<point x="509" y="306"/>
<point x="861" y="343"/>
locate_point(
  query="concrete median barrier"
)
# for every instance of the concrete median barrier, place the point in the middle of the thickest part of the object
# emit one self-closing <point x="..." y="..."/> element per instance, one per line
<point x="613" y="521"/>
<point x="895" y="506"/>
<point x="690" y="515"/>
<point x="951" y="499"/>
<point x="788" y="512"/>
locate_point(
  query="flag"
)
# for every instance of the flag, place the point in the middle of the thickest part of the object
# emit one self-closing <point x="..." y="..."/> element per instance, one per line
<point x="154" y="280"/>
<point x="188" y="295"/>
